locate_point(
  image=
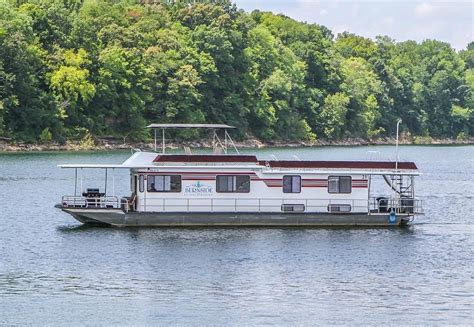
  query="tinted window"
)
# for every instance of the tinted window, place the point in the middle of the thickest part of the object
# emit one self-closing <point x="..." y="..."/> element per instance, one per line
<point x="339" y="184"/>
<point x="291" y="184"/>
<point x="339" y="208"/>
<point x="164" y="183"/>
<point x="233" y="184"/>
<point x="292" y="207"/>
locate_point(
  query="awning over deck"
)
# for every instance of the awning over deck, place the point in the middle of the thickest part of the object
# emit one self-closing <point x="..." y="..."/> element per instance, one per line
<point x="209" y="126"/>
<point x="85" y="166"/>
<point x="137" y="160"/>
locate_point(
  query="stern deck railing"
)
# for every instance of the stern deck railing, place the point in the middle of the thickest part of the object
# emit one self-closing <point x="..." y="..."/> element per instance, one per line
<point x="71" y="201"/>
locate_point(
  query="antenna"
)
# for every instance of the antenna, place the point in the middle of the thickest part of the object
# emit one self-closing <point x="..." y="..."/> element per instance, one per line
<point x="396" y="146"/>
<point x="396" y="167"/>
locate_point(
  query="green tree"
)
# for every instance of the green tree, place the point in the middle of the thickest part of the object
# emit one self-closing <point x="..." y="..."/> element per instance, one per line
<point x="362" y="85"/>
<point x="333" y="115"/>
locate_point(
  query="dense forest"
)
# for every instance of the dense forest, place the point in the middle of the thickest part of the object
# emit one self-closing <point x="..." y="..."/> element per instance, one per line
<point x="75" y="68"/>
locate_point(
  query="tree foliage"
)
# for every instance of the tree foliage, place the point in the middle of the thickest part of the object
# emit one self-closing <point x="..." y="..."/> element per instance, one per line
<point x="76" y="68"/>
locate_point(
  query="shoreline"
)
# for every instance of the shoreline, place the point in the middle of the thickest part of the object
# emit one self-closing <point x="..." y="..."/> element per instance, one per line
<point x="106" y="145"/>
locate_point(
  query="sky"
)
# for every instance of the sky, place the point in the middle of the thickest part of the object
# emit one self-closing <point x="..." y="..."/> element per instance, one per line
<point x="447" y="21"/>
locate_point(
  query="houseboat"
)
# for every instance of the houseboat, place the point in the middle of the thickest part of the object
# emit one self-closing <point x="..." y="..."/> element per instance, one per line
<point x="224" y="189"/>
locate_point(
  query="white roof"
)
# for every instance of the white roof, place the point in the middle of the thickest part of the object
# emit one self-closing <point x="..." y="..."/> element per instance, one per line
<point x="137" y="160"/>
<point x="140" y="159"/>
<point x="145" y="160"/>
<point x="211" y="126"/>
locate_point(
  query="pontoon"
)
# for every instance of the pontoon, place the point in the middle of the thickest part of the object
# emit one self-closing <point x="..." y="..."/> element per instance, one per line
<point x="224" y="189"/>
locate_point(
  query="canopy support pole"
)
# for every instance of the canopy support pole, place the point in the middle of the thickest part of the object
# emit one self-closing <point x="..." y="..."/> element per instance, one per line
<point x="164" y="145"/>
<point x="231" y="141"/>
<point x="225" y="141"/>
<point x="155" y="137"/>
<point x="113" y="181"/>
<point x="75" y="183"/>
<point x="214" y="142"/>
<point x="105" y="187"/>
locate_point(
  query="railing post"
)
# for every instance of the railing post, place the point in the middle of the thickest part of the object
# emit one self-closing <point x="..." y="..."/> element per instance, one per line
<point x="75" y="187"/>
<point x="105" y="186"/>
<point x="81" y="180"/>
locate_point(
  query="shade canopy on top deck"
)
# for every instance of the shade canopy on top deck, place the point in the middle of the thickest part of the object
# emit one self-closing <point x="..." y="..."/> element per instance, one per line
<point x="210" y="126"/>
<point x="215" y="140"/>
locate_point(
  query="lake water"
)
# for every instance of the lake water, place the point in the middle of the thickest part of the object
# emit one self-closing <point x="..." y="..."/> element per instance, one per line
<point x="53" y="271"/>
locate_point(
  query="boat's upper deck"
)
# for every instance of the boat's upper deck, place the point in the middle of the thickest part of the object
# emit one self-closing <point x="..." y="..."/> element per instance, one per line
<point x="163" y="159"/>
<point x="151" y="160"/>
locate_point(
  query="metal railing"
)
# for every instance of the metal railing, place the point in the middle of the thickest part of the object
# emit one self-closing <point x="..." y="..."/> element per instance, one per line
<point x="399" y="205"/>
<point x="71" y="201"/>
<point x="372" y="205"/>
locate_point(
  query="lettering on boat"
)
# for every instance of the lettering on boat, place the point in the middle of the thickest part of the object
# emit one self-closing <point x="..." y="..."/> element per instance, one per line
<point x="198" y="188"/>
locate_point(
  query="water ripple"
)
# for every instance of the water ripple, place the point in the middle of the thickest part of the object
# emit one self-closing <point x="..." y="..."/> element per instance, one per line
<point x="54" y="270"/>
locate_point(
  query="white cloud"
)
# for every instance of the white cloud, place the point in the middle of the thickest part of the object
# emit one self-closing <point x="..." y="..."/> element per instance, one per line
<point x="424" y="8"/>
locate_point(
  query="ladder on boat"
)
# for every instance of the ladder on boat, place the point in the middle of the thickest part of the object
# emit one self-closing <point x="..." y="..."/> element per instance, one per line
<point x="403" y="185"/>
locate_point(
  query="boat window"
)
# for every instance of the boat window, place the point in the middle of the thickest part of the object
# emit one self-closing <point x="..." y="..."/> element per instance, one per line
<point x="339" y="208"/>
<point x="141" y="183"/>
<point x="292" y="207"/>
<point x="164" y="183"/>
<point x="339" y="184"/>
<point x="233" y="184"/>
<point x="292" y="184"/>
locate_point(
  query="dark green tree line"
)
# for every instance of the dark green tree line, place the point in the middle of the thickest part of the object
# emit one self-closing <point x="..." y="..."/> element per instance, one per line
<point x="110" y="67"/>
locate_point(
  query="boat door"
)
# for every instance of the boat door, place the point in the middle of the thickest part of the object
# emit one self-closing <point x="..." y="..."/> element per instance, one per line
<point x="140" y="203"/>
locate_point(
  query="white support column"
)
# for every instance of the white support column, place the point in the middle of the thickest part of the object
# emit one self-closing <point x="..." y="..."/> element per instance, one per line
<point x="369" y="181"/>
<point x="154" y="129"/>
<point x="82" y="189"/>
<point x="214" y="142"/>
<point x="225" y="141"/>
<point x="163" y="141"/>
<point x="113" y="181"/>
<point x="75" y="183"/>
<point x="105" y="186"/>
